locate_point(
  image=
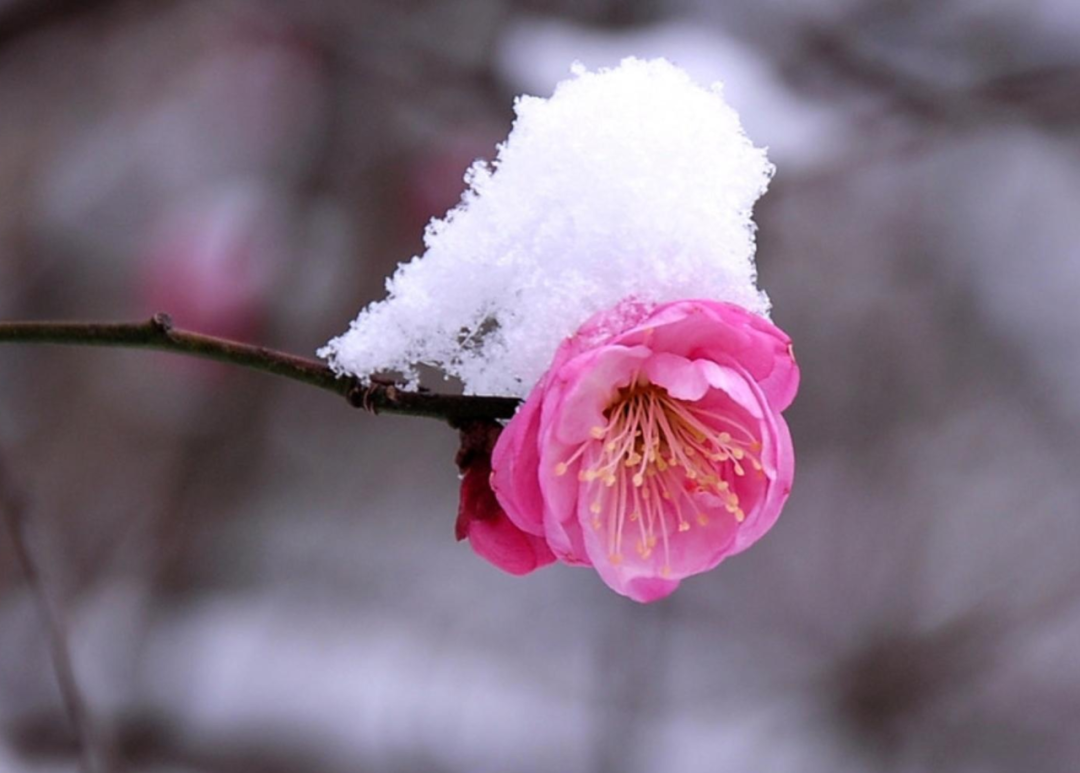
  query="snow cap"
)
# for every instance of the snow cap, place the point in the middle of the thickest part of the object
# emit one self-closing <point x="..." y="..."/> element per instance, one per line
<point x="631" y="182"/>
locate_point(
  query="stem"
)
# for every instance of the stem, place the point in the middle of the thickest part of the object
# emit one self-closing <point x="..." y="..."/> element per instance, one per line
<point x="158" y="333"/>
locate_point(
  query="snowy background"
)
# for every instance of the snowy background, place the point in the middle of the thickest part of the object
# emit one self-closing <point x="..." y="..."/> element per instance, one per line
<point x="258" y="578"/>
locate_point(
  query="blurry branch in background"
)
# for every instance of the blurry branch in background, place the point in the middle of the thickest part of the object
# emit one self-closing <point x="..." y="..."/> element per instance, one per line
<point x="838" y="50"/>
<point x="158" y="333"/>
<point x="14" y="511"/>
<point x="1042" y="94"/>
<point x="20" y="19"/>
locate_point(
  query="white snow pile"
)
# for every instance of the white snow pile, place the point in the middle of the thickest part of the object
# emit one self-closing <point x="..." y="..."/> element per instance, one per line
<point x="631" y="182"/>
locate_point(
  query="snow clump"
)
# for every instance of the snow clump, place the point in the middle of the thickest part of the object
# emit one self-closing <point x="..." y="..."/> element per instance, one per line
<point x="631" y="182"/>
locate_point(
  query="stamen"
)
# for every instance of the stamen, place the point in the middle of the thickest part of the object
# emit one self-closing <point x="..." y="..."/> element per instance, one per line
<point x="654" y="454"/>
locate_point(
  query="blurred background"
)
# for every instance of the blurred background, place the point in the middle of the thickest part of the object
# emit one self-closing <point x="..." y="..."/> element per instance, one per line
<point x="255" y="577"/>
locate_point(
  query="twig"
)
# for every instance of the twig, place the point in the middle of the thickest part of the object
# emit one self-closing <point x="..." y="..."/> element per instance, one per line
<point x="14" y="511"/>
<point x="158" y="333"/>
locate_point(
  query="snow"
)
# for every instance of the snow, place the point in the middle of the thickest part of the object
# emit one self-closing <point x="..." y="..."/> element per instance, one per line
<point x="800" y="133"/>
<point x="631" y="182"/>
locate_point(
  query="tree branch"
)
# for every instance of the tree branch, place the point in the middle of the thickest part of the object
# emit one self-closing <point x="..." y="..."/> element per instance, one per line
<point x="158" y="333"/>
<point x="14" y="511"/>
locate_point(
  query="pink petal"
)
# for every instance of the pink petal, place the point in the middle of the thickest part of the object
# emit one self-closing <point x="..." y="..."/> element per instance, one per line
<point x="589" y="383"/>
<point x="682" y="379"/>
<point x="490" y="533"/>
<point x="507" y="547"/>
<point x="649" y="589"/>
<point x="560" y="492"/>
<point x="516" y="464"/>
<point x="704" y="329"/>
<point x="778" y="458"/>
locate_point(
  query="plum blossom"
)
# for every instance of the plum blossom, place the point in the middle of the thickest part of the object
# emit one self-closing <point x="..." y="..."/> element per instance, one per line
<point x="654" y="447"/>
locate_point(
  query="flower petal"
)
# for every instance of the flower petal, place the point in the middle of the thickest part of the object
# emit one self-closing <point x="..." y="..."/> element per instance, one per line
<point x="491" y="534"/>
<point x="516" y="464"/>
<point x="508" y="547"/>
<point x="698" y="329"/>
<point x="589" y="384"/>
<point x="682" y="378"/>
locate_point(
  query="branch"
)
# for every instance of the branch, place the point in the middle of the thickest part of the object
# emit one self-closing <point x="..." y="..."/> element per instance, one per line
<point x="14" y="511"/>
<point x="158" y="333"/>
<point x="21" y="19"/>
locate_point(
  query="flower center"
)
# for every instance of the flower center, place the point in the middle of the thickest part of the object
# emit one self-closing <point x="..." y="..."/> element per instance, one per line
<point x="656" y="463"/>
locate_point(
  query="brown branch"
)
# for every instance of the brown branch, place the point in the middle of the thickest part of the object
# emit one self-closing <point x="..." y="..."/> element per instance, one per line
<point x="14" y="511"/>
<point x="158" y="333"/>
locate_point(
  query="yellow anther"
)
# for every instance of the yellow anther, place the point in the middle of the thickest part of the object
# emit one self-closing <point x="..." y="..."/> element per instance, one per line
<point x="615" y="558"/>
<point x="598" y="432"/>
<point x="639" y="480"/>
<point x="684" y="526"/>
<point x="595" y="508"/>
<point x="560" y="468"/>
<point x="702" y="519"/>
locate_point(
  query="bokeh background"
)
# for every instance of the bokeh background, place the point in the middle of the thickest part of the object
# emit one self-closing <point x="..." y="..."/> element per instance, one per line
<point x="255" y="577"/>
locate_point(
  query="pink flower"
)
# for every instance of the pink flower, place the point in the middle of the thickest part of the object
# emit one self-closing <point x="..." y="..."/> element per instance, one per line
<point x="653" y="448"/>
<point x="480" y="518"/>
